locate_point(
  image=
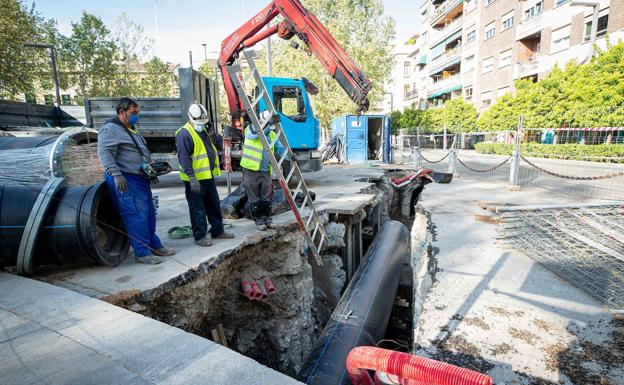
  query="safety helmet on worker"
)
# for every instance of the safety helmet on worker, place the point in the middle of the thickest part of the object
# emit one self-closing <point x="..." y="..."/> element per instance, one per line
<point x="198" y="116"/>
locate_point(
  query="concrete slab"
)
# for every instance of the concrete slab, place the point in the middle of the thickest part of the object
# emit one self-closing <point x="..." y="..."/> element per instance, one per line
<point x="98" y="343"/>
<point x="101" y="281"/>
<point x="499" y="312"/>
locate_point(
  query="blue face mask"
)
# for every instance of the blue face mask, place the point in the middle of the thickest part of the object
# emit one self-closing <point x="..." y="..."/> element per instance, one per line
<point x="133" y="119"/>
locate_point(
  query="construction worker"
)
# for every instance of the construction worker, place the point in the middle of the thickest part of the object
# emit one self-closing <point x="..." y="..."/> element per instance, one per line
<point x="257" y="176"/>
<point x="199" y="164"/>
<point x="123" y="153"/>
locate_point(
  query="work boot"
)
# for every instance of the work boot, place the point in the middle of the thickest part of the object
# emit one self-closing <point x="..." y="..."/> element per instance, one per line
<point x="204" y="242"/>
<point x="269" y="223"/>
<point x="164" y="252"/>
<point x="260" y="225"/>
<point x="149" y="260"/>
<point x="224" y="235"/>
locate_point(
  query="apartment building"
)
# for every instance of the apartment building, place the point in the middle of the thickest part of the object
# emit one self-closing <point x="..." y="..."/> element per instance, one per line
<point x="477" y="49"/>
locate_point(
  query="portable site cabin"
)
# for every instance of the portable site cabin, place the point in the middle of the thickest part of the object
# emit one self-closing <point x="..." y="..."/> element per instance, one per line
<point x="366" y="137"/>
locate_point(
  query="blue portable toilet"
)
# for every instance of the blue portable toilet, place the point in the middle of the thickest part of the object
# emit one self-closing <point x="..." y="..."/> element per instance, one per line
<point x="366" y="137"/>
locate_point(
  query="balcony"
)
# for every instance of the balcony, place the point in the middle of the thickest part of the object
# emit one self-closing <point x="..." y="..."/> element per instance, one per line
<point x="445" y="8"/>
<point x="529" y="26"/>
<point x="450" y="82"/>
<point x="526" y="68"/>
<point x="412" y="94"/>
<point x="447" y="57"/>
<point x="438" y="35"/>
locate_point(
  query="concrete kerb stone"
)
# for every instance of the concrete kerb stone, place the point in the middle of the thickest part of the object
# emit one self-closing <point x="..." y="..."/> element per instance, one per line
<point x="421" y="239"/>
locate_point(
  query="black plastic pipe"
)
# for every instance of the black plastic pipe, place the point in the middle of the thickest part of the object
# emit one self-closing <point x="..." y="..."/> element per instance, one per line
<point x="24" y="143"/>
<point x="81" y="224"/>
<point x="363" y="312"/>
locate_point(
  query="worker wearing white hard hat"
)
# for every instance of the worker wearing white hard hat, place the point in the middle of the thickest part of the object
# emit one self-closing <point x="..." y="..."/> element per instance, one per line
<point x="199" y="165"/>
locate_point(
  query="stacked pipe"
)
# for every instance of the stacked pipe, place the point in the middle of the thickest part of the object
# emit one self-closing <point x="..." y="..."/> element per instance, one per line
<point x="257" y="289"/>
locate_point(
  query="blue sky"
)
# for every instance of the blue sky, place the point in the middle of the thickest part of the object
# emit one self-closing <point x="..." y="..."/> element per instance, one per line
<point x="186" y="25"/>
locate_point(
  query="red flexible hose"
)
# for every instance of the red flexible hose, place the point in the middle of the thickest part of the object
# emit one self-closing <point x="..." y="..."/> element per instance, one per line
<point x="411" y="370"/>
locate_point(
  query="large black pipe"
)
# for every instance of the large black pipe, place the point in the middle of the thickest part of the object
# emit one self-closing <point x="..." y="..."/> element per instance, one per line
<point x="25" y="143"/>
<point x="81" y="224"/>
<point x="363" y="312"/>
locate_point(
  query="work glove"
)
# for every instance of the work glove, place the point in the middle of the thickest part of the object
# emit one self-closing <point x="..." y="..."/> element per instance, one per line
<point x="121" y="183"/>
<point x="154" y="180"/>
<point x="195" y="186"/>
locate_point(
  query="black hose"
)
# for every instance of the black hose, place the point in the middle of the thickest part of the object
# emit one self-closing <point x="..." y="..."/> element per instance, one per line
<point x="363" y="312"/>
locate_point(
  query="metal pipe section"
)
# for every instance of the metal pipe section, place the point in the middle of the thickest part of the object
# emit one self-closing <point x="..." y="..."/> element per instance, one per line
<point x="363" y="312"/>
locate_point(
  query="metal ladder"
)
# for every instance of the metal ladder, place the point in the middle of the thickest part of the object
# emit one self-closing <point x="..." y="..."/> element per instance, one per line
<point x="312" y="227"/>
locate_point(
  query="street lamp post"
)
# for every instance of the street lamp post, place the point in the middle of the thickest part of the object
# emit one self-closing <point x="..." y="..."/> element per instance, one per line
<point x="205" y="52"/>
<point x="595" y="4"/>
<point x="54" y="73"/>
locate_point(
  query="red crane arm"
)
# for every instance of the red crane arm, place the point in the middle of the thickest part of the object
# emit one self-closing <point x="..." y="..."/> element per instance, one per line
<point x="296" y="21"/>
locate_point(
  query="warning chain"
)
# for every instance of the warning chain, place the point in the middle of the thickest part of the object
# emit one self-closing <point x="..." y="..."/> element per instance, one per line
<point x="437" y="161"/>
<point x="607" y="176"/>
<point x="486" y="170"/>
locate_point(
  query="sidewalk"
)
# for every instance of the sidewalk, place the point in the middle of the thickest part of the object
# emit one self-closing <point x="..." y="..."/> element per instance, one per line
<point x="51" y="335"/>
<point x="497" y="311"/>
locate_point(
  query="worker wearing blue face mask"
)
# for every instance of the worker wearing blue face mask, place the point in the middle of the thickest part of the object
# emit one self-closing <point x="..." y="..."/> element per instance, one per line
<point x="199" y="165"/>
<point x="123" y="152"/>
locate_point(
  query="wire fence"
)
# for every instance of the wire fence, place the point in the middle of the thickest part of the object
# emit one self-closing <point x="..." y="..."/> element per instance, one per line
<point x="583" y="245"/>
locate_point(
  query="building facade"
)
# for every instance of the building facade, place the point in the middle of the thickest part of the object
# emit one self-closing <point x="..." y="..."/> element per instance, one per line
<point x="477" y="49"/>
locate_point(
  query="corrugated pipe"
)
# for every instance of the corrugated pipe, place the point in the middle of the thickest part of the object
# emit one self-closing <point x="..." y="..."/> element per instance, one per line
<point x="410" y="369"/>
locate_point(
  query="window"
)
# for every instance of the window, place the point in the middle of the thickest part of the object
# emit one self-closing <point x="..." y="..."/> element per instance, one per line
<point x="471" y="36"/>
<point x="48" y="99"/>
<point x="406" y="91"/>
<point x="561" y="2"/>
<point x="486" y="98"/>
<point x="470" y="5"/>
<point x="602" y="27"/>
<point x="406" y="69"/>
<point x="66" y="99"/>
<point x="289" y="102"/>
<point x="560" y="39"/>
<point x="488" y="2"/>
<point x="502" y="91"/>
<point x="490" y="30"/>
<point x="488" y="65"/>
<point x="468" y="64"/>
<point x="468" y="93"/>
<point x="504" y="59"/>
<point x="30" y="98"/>
<point x="535" y="10"/>
<point x="508" y="20"/>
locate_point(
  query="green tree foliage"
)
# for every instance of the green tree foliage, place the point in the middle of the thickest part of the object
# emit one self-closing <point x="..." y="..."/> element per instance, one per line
<point x="456" y="115"/>
<point x="395" y="122"/>
<point x="19" y="65"/>
<point x="132" y="46"/>
<point x="89" y="57"/>
<point x="157" y="80"/>
<point x="576" y="96"/>
<point x="362" y="30"/>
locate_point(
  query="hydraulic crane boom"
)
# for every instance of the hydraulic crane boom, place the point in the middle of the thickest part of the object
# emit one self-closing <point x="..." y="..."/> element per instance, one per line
<point x="296" y="21"/>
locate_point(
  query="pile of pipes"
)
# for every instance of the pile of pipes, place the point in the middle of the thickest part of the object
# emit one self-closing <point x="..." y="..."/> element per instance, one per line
<point x="257" y="289"/>
<point x="334" y="149"/>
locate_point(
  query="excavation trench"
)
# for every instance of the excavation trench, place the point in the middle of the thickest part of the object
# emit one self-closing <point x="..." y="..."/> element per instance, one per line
<point x="281" y="330"/>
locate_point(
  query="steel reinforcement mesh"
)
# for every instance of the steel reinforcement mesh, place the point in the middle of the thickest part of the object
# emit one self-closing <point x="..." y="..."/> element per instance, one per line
<point x="584" y="246"/>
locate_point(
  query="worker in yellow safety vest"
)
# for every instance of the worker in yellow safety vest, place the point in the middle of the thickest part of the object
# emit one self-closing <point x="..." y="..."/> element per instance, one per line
<point x="199" y="164"/>
<point x="257" y="176"/>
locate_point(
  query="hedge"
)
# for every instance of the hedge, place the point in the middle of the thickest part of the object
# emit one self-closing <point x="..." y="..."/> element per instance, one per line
<point x="609" y="153"/>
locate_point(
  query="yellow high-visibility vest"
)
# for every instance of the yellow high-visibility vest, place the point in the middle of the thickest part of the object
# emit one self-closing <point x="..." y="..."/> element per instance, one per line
<point x="252" y="152"/>
<point x="201" y="163"/>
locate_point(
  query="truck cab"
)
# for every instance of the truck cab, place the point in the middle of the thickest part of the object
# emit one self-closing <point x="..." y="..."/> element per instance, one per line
<point x="292" y="103"/>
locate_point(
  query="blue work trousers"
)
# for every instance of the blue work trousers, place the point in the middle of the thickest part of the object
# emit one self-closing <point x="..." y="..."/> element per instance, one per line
<point x="137" y="212"/>
<point x="202" y="205"/>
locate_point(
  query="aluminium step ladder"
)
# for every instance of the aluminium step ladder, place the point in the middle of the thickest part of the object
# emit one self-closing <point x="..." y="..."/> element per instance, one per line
<point x="312" y="227"/>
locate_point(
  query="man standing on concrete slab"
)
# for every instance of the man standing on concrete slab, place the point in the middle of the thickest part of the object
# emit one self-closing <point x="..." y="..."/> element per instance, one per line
<point x="123" y="153"/>
<point x="257" y="176"/>
<point x="199" y="164"/>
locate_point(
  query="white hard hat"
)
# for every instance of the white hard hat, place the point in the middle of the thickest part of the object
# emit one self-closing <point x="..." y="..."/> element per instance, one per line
<point x="198" y="114"/>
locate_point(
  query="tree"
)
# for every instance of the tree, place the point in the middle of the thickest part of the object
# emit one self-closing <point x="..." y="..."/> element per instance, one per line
<point x="395" y="122"/>
<point x="89" y="54"/>
<point x="363" y="31"/>
<point x="158" y="81"/>
<point x="132" y="46"/>
<point x="458" y="116"/>
<point x="19" y="65"/>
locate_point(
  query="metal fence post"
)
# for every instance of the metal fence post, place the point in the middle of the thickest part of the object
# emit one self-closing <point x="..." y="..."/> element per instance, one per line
<point x="514" y="170"/>
<point x="444" y="140"/>
<point x="401" y="144"/>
